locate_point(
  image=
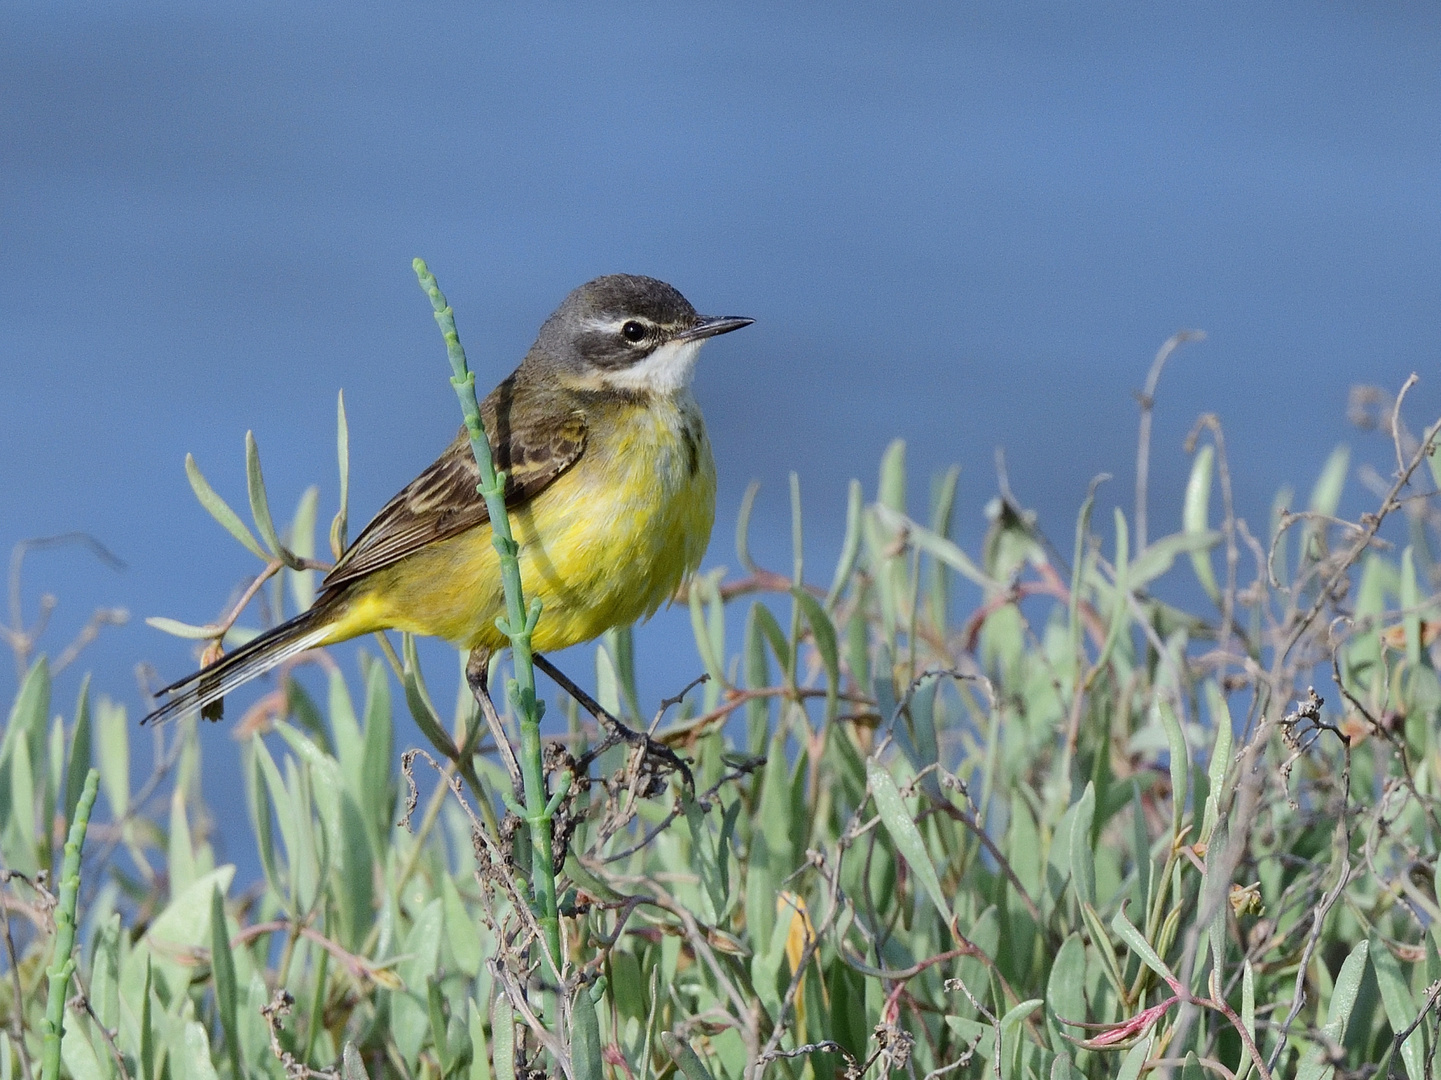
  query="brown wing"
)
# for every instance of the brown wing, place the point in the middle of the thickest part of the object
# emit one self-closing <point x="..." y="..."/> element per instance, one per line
<point x="442" y="501"/>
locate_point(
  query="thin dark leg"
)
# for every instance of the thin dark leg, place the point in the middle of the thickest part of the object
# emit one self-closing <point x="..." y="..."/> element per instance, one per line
<point x="477" y="675"/>
<point x="616" y="732"/>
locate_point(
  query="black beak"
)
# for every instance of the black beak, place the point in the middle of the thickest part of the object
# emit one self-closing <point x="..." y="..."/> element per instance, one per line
<point x="711" y="325"/>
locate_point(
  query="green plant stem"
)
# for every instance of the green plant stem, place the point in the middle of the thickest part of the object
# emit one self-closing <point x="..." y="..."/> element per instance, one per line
<point x="62" y="965"/>
<point x="518" y="626"/>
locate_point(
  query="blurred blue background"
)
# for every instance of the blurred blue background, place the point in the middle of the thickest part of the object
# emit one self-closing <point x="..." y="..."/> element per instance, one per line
<point x="970" y="225"/>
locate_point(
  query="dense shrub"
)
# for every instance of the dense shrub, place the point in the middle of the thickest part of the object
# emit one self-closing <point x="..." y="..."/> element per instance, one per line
<point x="910" y="843"/>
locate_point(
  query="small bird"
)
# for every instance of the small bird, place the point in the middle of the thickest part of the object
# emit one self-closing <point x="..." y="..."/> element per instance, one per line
<point x="610" y="486"/>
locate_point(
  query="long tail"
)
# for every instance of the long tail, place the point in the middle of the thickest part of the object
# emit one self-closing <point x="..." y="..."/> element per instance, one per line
<point x="252" y="659"/>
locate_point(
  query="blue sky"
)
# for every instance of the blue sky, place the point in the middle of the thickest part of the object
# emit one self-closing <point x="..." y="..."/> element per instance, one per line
<point x="970" y="225"/>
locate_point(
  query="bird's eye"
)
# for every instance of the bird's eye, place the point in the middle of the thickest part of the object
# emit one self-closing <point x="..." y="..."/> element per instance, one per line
<point x="633" y="331"/>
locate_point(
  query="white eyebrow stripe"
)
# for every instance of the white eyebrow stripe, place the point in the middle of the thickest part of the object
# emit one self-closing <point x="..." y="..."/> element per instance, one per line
<point x="612" y="325"/>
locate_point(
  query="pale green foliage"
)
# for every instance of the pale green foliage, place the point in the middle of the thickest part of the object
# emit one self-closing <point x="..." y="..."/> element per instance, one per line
<point x="948" y="806"/>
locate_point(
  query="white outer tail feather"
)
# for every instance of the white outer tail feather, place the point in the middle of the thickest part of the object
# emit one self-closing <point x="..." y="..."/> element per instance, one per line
<point x="206" y="685"/>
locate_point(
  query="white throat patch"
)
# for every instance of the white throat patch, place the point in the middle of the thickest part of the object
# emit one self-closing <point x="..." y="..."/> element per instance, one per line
<point x="665" y="371"/>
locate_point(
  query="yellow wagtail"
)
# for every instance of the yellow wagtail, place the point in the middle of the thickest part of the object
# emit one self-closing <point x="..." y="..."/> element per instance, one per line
<point x="610" y="486"/>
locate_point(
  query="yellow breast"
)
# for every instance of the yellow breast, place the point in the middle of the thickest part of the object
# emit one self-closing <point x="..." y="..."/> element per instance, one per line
<point x="604" y="545"/>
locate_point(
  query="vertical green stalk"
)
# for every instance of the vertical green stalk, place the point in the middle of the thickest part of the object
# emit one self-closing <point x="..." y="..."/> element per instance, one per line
<point x="518" y="625"/>
<point x="62" y="965"/>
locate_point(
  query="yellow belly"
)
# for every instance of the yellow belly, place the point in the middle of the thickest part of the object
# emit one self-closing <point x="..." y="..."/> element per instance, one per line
<point x="604" y="545"/>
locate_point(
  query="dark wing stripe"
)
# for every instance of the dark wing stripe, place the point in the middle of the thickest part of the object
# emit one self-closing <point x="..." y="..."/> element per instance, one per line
<point x="442" y="501"/>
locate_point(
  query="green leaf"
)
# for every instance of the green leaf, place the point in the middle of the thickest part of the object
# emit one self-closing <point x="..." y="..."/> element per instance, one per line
<point x="1248" y="1014"/>
<point x="1135" y="1060"/>
<point x="339" y="523"/>
<point x="797" y="535"/>
<point x="1180" y="764"/>
<point x="943" y="501"/>
<point x="435" y="1008"/>
<point x="260" y="502"/>
<point x="379" y="751"/>
<point x="176" y="628"/>
<point x="723" y="850"/>
<point x="767" y="962"/>
<point x="904" y="834"/>
<point x="287" y="813"/>
<point x="1196" y="517"/>
<point x="147" y="1034"/>
<point x="222" y="971"/>
<point x="80" y="751"/>
<point x="254" y="1032"/>
<point x="1160" y="555"/>
<point x="686" y="1059"/>
<point x="356" y="865"/>
<point x="220" y="510"/>
<point x="1220" y="756"/>
<point x="1062" y="1069"/>
<point x="1141" y="849"/>
<point x="916" y="733"/>
<point x="585" y="1056"/>
<point x="329" y="788"/>
<point x="1010" y="1037"/>
<point x="114" y="755"/>
<point x="19" y="843"/>
<point x="775" y="637"/>
<point x="823" y="633"/>
<point x="502" y="1035"/>
<point x="1348" y="986"/>
<point x="105" y="972"/>
<point x="302" y="543"/>
<point x="1120" y="609"/>
<point x="180" y="849"/>
<point x="184" y="926"/>
<point x="937" y="547"/>
<point x="258" y="803"/>
<point x="615" y="672"/>
<point x="81" y="1060"/>
<point x="196" y="1054"/>
<point x="1137" y="943"/>
<point x="409" y="1009"/>
<point x="479" y="1053"/>
<point x="1326" y="495"/>
<point x="1083" y="858"/>
<point x="757" y="677"/>
<point x="607" y="684"/>
<point x="1317" y="1064"/>
<point x="351" y="1065"/>
<point x="973" y="1032"/>
<point x="1400" y="1006"/>
<point x="29" y="712"/>
<point x="53" y="788"/>
<point x="703" y="590"/>
<point x="345" y="733"/>
<point x="892" y="493"/>
<point x="1080" y="568"/>
<point x="1410" y="606"/>
<point x="706" y="861"/>
<point x="743" y="527"/>
<point x="620" y="641"/>
<point x="1065" y="989"/>
<point x="850" y="545"/>
<point x="417" y="697"/>
<point x="461" y="934"/>
<point x="306" y="859"/>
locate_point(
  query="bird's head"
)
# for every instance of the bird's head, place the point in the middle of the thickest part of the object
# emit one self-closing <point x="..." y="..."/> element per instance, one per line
<point x="626" y="333"/>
